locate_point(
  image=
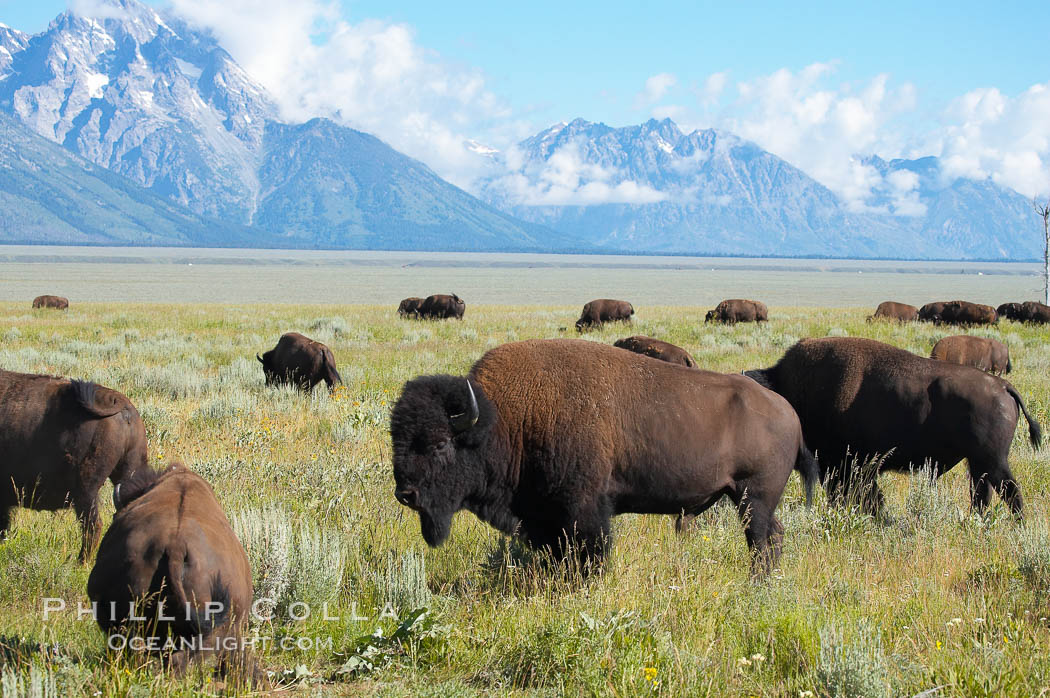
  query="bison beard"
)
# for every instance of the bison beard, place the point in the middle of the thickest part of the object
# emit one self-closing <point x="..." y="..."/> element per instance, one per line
<point x="549" y="439"/>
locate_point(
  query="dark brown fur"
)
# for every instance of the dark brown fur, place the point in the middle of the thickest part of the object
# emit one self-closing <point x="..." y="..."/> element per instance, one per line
<point x="980" y="352"/>
<point x="861" y="398"/>
<point x="931" y="312"/>
<point x="57" y="302"/>
<point x="602" y="310"/>
<point x="442" y="307"/>
<point x="570" y="433"/>
<point x="657" y="349"/>
<point x="1031" y="311"/>
<point x="967" y="313"/>
<point x="59" y="441"/>
<point x="1010" y="311"/>
<point x="409" y="307"/>
<point x="736" y="310"/>
<point x="299" y="361"/>
<point x="170" y="543"/>
<point x="891" y="310"/>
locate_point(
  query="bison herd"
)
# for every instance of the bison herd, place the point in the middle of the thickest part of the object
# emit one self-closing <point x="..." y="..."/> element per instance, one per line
<point x="542" y="439"/>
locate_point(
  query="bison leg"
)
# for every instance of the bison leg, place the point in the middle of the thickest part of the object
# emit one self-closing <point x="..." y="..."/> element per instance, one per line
<point x="90" y="524"/>
<point x="983" y="478"/>
<point x="5" y="519"/>
<point x="683" y="522"/>
<point x="763" y="531"/>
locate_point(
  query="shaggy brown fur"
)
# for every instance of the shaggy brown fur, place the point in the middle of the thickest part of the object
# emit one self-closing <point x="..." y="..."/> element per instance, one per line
<point x="59" y="441"/>
<point x="442" y="307"/>
<point x="967" y="313"/>
<point x="931" y="312"/>
<point x="1031" y="311"/>
<point x="171" y="552"/>
<point x="980" y="352"/>
<point x="300" y="361"/>
<point x="738" y="310"/>
<point x="1010" y="311"/>
<point x="410" y="307"/>
<point x="57" y="302"/>
<point x="602" y="310"/>
<point x="665" y="351"/>
<point x="569" y="433"/>
<point x="858" y="398"/>
<point x="890" y="310"/>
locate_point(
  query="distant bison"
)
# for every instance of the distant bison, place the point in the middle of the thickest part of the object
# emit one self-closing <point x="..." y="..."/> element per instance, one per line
<point x="171" y="562"/>
<point x="967" y="313"/>
<point x="409" y="307"/>
<point x="56" y="302"/>
<point x="1032" y="311"/>
<point x="858" y="398"/>
<point x="551" y="438"/>
<point x="980" y="352"/>
<point x="299" y="361"/>
<point x="931" y="312"/>
<point x="603" y="310"/>
<point x="890" y="310"/>
<point x="738" y="310"/>
<point x="441" y="307"/>
<point x="665" y="351"/>
<point x="1010" y="311"/>
<point x="59" y="441"/>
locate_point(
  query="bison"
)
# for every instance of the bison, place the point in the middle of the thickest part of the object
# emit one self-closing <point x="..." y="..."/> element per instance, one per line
<point x="861" y="398"/>
<point x="299" y="361"/>
<point x="409" y="307"/>
<point x="1031" y="311"/>
<point x="57" y="302"/>
<point x="171" y="571"/>
<point x="441" y="307"/>
<point x="665" y="351"/>
<point x="891" y="310"/>
<point x="931" y="312"/>
<point x="602" y="310"/>
<point x="549" y="439"/>
<point x="980" y="352"/>
<point x="967" y="313"/>
<point x="1010" y="311"/>
<point x="737" y="310"/>
<point x="59" y="441"/>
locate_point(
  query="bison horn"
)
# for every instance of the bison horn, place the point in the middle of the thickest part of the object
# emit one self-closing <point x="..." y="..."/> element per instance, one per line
<point x="116" y="496"/>
<point x="259" y="358"/>
<point x="465" y="420"/>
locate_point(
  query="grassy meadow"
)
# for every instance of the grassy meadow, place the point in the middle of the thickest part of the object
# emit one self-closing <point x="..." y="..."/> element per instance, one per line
<point x="933" y="598"/>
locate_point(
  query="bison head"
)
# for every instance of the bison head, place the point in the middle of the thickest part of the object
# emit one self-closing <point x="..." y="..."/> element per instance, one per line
<point x="710" y="315"/>
<point x="267" y="363"/>
<point x="439" y="428"/>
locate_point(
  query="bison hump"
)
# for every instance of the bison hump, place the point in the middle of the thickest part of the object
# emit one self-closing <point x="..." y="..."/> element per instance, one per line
<point x="96" y="399"/>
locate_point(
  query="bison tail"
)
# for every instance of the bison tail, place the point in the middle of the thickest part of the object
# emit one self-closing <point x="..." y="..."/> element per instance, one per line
<point x="333" y="374"/>
<point x="806" y="465"/>
<point x="99" y="403"/>
<point x="1035" y="433"/>
<point x="200" y="621"/>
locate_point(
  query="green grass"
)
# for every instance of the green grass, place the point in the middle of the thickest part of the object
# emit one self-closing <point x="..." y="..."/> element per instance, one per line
<point x="934" y="597"/>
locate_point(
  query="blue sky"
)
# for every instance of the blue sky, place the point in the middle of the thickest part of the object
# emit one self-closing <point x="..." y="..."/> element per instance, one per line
<point x="813" y="82"/>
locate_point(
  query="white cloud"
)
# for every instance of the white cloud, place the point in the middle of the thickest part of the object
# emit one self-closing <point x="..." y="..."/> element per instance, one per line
<point x="714" y="86"/>
<point x="904" y="196"/>
<point x="655" y="88"/>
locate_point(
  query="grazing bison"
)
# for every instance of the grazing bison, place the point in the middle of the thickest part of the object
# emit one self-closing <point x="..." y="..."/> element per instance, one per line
<point x="665" y="351"/>
<point x="171" y="559"/>
<point x="1032" y="311"/>
<point x="551" y="438"/>
<point x="410" y="307"/>
<point x="1010" y="311"/>
<point x="59" y="441"/>
<point x="603" y="310"/>
<point x="57" y="302"/>
<point x="980" y="352"/>
<point x="890" y="310"/>
<point x="737" y="310"/>
<point x="931" y="312"/>
<point x="441" y="307"/>
<point x="299" y="361"/>
<point x="967" y="313"/>
<point x="861" y="398"/>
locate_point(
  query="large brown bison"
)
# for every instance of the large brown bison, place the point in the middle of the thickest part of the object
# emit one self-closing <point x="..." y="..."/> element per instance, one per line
<point x="170" y="557"/>
<point x="980" y="352"/>
<point x="891" y="310"/>
<point x="736" y="310"/>
<point x="858" y="398"/>
<point x="657" y="349"/>
<point x="59" y="441"/>
<point x="409" y="307"/>
<point x="57" y="302"/>
<point x="551" y="438"/>
<point x="931" y="312"/>
<point x="442" y="307"/>
<point x="602" y="310"/>
<point x="1031" y="311"/>
<point x="967" y="313"/>
<point x="1010" y="311"/>
<point x="299" y="361"/>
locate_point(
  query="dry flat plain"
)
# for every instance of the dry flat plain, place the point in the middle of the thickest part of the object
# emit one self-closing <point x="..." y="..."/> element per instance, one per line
<point x="932" y="598"/>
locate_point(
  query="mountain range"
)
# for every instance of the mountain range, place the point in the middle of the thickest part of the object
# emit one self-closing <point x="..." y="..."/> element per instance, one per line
<point x="136" y="128"/>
